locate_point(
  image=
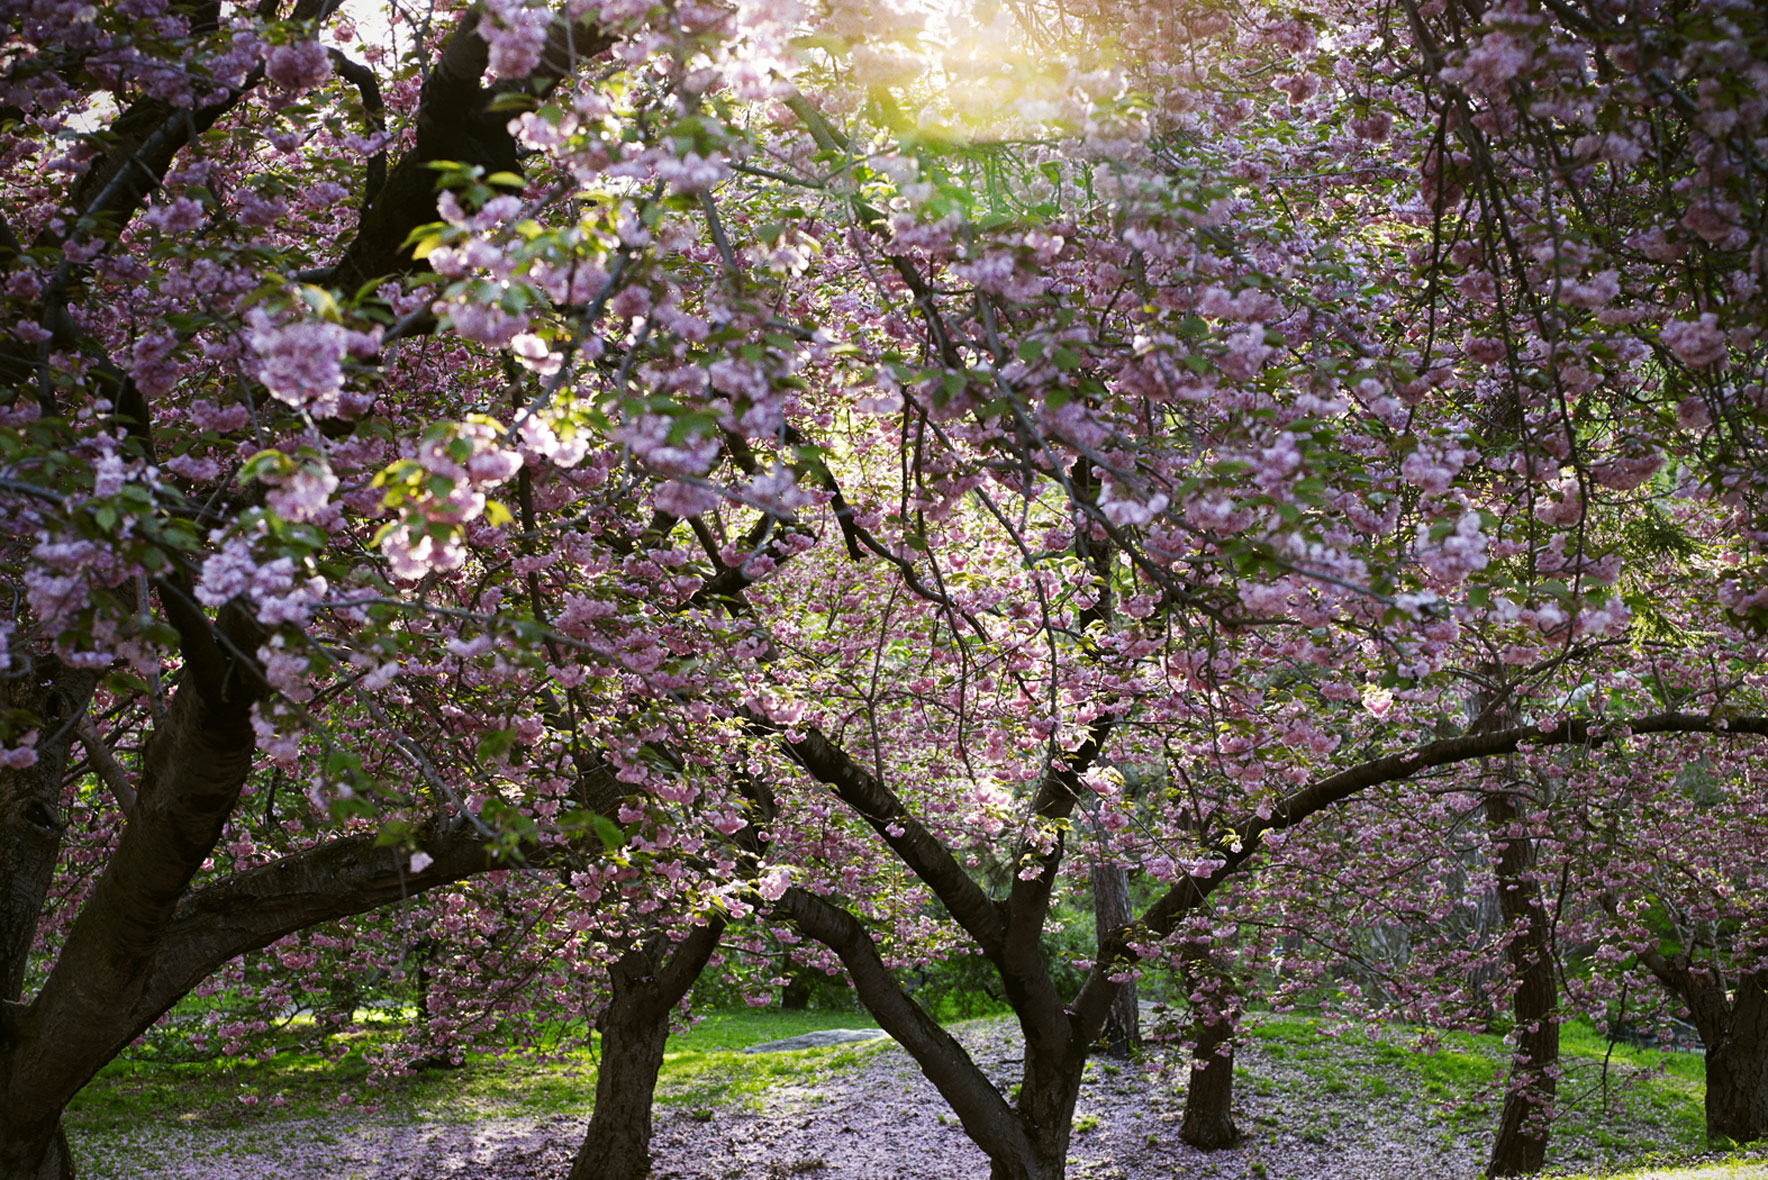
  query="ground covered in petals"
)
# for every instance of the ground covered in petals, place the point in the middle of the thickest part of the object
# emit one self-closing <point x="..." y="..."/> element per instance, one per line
<point x="1310" y="1104"/>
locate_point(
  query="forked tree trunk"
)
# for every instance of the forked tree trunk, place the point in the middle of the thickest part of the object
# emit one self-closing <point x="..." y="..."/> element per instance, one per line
<point x="646" y="984"/>
<point x="1209" y="1094"/>
<point x="1520" y="1148"/>
<point x="1111" y="911"/>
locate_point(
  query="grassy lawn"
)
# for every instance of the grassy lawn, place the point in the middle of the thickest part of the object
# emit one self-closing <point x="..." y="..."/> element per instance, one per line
<point x="1645" y="1104"/>
<point x="701" y="1067"/>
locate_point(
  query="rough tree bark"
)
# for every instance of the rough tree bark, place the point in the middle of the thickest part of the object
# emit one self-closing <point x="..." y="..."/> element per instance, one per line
<point x="646" y="984"/>
<point x="1732" y="1019"/>
<point x="1520" y="1148"/>
<point x="1737" y="1062"/>
<point x="1111" y="912"/>
<point x="1209" y="1094"/>
<point x="31" y="825"/>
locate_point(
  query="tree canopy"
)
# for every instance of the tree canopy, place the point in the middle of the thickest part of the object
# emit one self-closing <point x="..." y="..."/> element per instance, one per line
<point x="855" y="470"/>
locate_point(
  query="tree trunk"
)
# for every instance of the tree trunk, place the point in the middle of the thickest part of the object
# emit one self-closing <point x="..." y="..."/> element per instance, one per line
<point x="1048" y="1088"/>
<point x="1521" y="1146"/>
<point x="1209" y="1119"/>
<point x="1048" y="1160"/>
<point x="1209" y="1093"/>
<point x="1737" y="1090"/>
<point x="795" y="996"/>
<point x="35" y="1153"/>
<point x="1111" y="911"/>
<point x="30" y="806"/>
<point x="646" y="984"/>
<point x="32" y="1147"/>
<point x="1734" y="1029"/>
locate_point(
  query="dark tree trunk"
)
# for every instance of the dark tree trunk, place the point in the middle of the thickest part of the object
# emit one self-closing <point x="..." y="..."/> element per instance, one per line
<point x="1048" y="1088"/>
<point x="1521" y="1146"/>
<point x="32" y="1146"/>
<point x="646" y="984"/>
<point x="35" y="1153"/>
<point x="192" y="772"/>
<point x="1209" y="1094"/>
<point x="1209" y="1120"/>
<point x="30" y="806"/>
<point x="1734" y="1029"/>
<point x="1111" y="911"/>
<point x="1737" y="1092"/>
<point x="1024" y="1141"/>
<point x="795" y="996"/>
<point x="1737" y="1069"/>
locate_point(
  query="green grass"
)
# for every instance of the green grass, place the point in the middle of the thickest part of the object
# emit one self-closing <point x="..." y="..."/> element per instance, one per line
<point x="1734" y="1168"/>
<point x="1649" y="1104"/>
<point x="701" y="1068"/>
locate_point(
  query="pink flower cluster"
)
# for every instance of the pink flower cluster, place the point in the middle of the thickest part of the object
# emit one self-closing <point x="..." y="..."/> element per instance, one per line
<point x="302" y="363"/>
<point x="298" y="66"/>
<point x="1696" y="343"/>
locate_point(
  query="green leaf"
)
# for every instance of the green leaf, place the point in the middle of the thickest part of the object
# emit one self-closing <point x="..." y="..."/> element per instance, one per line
<point x="613" y="838"/>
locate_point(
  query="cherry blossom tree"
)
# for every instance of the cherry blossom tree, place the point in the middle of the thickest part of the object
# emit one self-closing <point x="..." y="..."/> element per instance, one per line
<point x="806" y="458"/>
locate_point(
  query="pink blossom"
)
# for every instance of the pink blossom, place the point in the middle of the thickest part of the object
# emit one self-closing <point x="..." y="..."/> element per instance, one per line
<point x="301" y="364"/>
<point x="175" y="217"/>
<point x="1598" y="291"/>
<point x="1247" y="353"/>
<point x="226" y="573"/>
<point x="692" y="173"/>
<point x="684" y="500"/>
<point x="1375" y="128"/>
<point x="1697" y="343"/>
<point x="1719" y="222"/>
<point x="298" y="66"/>
<point x="304" y="493"/>
<point x="411" y="553"/>
<point x="1490" y="64"/>
<point x="516" y="35"/>
<point x="1625" y="474"/>
<point x="259" y="212"/>
<point x="1692" y="413"/>
<point x="773" y="884"/>
<point x="22" y="756"/>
